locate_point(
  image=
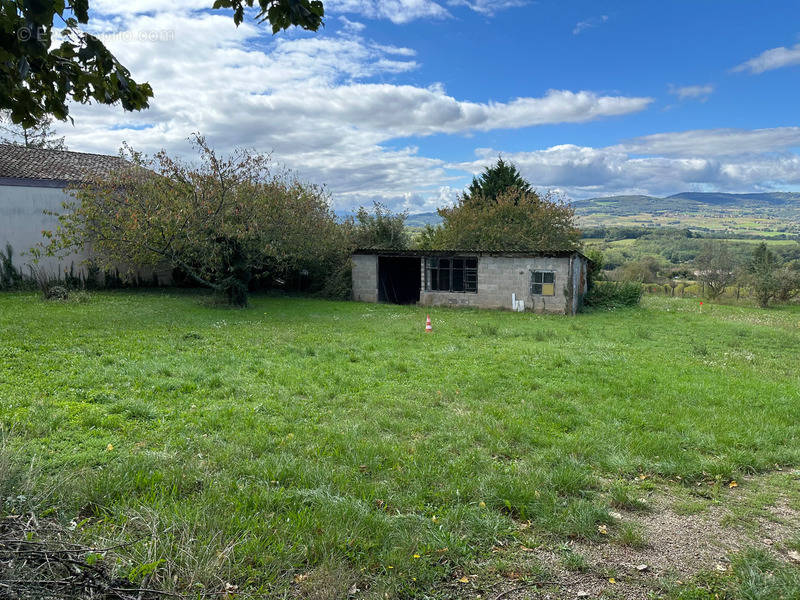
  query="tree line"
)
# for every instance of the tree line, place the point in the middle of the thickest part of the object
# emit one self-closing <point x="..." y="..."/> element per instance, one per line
<point x="239" y="222"/>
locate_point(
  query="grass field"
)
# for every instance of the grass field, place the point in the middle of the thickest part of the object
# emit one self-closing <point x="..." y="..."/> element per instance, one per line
<point x="254" y="447"/>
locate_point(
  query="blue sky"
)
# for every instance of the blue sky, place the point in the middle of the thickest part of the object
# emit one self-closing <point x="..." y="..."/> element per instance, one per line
<point x="401" y="101"/>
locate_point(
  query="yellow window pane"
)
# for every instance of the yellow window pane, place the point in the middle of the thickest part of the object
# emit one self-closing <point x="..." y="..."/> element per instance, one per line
<point x="548" y="289"/>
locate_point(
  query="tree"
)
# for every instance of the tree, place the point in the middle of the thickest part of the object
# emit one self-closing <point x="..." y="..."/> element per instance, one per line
<point x="647" y="269"/>
<point x="715" y="268"/>
<point x="788" y="278"/>
<point x="493" y="182"/>
<point x="380" y="229"/>
<point x="222" y="222"/>
<point x="38" y="78"/>
<point x="515" y="220"/>
<point x="762" y="274"/>
<point x="40" y="135"/>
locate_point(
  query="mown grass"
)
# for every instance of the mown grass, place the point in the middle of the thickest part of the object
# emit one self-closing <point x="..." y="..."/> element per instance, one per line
<point x="302" y="440"/>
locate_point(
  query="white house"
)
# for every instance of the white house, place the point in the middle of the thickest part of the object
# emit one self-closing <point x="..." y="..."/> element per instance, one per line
<point x="33" y="181"/>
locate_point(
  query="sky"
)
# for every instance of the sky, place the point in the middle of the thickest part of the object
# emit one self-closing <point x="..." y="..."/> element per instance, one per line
<point x="403" y="101"/>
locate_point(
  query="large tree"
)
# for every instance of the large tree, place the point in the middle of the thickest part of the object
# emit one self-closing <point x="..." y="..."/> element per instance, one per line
<point x="762" y="274"/>
<point x="380" y="228"/>
<point x="715" y="268"/>
<point x="501" y="211"/>
<point x="221" y="222"/>
<point x="40" y="135"/>
<point x="494" y="181"/>
<point x="514" y="220"/>
<point x="38" y="78"/>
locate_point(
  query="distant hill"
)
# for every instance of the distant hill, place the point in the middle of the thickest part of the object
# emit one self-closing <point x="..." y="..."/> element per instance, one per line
<point x="759" y="214"/>
<point x="763" y="213"/>
<point x="422" y="219"/>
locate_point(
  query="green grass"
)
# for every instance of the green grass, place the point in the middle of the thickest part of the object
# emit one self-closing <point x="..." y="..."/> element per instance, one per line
<point x="305" y="440"/>
<point x="755" y="575"/>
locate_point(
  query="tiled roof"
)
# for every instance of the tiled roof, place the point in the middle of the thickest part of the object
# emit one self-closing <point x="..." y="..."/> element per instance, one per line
<point x="18" y="162"/>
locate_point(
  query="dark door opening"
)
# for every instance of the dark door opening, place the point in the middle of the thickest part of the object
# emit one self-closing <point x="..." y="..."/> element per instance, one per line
<point x="399" y="279"/>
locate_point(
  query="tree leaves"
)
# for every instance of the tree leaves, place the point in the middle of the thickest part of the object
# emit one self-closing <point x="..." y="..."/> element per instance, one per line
<point x="220" y="222"/>
<point x="515" y="220"/>
<point x="282" y="14"/>
<point x="38" y="79"/>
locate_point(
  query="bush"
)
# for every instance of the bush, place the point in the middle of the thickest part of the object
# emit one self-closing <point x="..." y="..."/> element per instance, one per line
<point x="10" y="277"/>
<point x="56" y="292"/>
<point x="613" y="294"/>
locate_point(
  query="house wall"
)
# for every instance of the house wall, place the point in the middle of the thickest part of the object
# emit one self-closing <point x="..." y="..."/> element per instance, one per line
<point x="365" y="277"/>
<point x="22" y="220"/>
<point x="500" y="276"/>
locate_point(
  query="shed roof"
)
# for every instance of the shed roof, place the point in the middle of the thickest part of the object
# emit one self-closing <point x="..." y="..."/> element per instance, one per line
<point x="450" y="252"/>
<point x="20" y="165"/>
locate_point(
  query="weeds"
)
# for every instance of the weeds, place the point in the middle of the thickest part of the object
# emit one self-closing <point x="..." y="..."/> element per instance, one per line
<point x="755" y="575"/>
<point x="631" y="535"/>
<point x="625" y="496"/>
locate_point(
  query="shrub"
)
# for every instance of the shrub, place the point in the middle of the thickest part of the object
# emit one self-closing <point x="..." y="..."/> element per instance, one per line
<point x="613" y="294"/>
<point x="226" y="222"/>
<point x="56" y="292"/>
<point x="10" y="277"/>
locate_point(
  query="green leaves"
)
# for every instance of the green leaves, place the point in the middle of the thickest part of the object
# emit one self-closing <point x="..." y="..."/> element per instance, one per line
<point x="282" y="14"/>
<point x="220" y="222"/>
<point x="494" y="181"/>
<point x="38" y="80"/>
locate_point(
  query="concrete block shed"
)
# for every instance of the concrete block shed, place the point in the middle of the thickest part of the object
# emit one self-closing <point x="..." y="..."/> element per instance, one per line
<point x="543" y="282"/>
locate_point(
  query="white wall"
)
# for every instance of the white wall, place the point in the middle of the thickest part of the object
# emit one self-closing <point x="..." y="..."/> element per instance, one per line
<point x="22" y="220"/>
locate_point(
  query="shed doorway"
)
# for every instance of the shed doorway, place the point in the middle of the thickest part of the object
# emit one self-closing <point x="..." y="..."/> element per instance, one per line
<point x="399" y="279"/>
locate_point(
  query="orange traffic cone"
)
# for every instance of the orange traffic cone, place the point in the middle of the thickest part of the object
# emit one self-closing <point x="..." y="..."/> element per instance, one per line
<point x="428" y="327"/>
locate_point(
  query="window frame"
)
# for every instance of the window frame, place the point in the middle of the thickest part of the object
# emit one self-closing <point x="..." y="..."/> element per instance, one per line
<point x="468" y="276"/>
<point x="542" y="283"/>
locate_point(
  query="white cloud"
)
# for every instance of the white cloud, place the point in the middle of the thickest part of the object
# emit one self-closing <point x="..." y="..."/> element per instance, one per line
<point x="488" y="7"/>
<point x="582" y="26"/>
<point x="312" y="99"/>
<point x="716" y="142"/>
<point x="397" y="11"/>
<point x="697" y="92"/>
<point x="768" y="60"/>
<point x="725" y="160"/>
<point x="351" y="26"/>
<point x="405" y="11"/>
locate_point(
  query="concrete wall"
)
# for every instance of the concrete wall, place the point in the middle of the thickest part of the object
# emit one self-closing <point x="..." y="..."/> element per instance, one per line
<point x="365" y="277"/>
<point x="22" y="220"/>
<point x="500" y="276"/>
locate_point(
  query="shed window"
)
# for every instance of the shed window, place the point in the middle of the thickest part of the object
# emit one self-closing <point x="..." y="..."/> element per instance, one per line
<point x="543" y="283"/>
<point x="452" y="274"/>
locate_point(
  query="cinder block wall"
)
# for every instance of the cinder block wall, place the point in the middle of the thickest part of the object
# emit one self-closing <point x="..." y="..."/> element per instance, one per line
<point x="365" y="277"/>
<point x="500" y="276"/>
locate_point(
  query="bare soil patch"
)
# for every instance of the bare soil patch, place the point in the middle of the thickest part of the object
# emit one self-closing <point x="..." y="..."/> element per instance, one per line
<point x="671" y="545"/>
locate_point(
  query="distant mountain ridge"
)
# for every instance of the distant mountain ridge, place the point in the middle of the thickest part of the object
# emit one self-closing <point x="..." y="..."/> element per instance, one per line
<point x="715" y="211"/>
<point x="758" y="212"/>
<point x="715" y="198"/>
